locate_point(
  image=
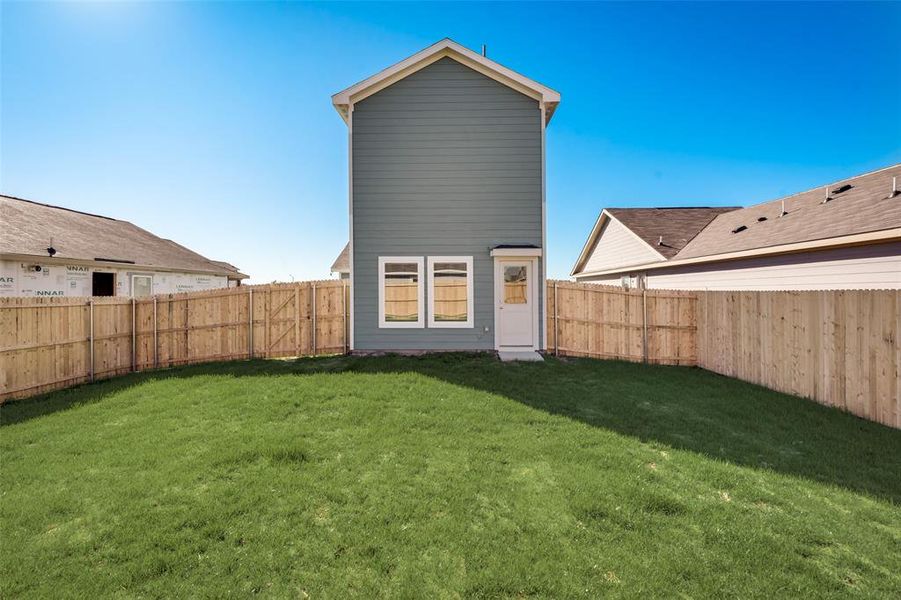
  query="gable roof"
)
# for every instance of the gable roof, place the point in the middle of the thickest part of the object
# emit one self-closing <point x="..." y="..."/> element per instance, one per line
<point x="343" y="100"/>
<point x="665" y="230"/>
<point x="866" y="206"/>
<point x="342" y="263"/>
<point x="668" y="230"/>
<point x="30" y="226"/>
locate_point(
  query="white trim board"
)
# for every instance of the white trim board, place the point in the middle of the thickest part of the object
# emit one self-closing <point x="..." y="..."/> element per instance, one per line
<point x="516" y="252"/>
<point x="350" y="223"/>
<point x="533" y="262"/>
<point x="419" y="323"/>
<point x="858" y="239"/>
<point x="344" y="100"/>
<point x="595" y="234"/>
<point x="470" y="293"/>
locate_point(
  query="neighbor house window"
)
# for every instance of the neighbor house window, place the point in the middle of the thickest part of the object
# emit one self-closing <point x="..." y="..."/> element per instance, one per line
<point x="400" y="291"/>
<point x="450" y="291"/>
<point x="141" y="285"/>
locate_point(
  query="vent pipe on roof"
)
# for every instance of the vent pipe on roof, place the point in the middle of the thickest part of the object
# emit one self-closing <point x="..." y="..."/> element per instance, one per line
<point x="827" y="198"/>
<point x="782" y="213"/>
<point x="660" y="241"/>
<point x="484" y="50"/>
<point x="895" y="190"/>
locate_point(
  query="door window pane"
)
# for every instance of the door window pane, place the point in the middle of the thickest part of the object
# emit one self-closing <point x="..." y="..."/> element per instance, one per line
<point x="401" y="292"/>
<point x="515" y="284"/>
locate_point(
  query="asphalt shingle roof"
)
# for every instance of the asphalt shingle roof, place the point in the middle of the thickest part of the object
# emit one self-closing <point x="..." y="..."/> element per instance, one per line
<point x="867" y="205"/>
<point x="28" y="228"/>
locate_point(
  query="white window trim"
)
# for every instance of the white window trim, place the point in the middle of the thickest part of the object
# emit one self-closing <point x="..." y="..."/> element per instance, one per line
<point x="133" y="284"/>
<point x="419" y="323"/>
<point x="470" y="286"/>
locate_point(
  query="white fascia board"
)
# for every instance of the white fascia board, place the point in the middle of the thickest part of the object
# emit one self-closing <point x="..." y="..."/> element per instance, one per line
<point x="589" y="243"/>
<point x="595" y="233"/>
<point x="345" y="99"/>
<point x="858" y="239"/>
<point x="516" y="252"/>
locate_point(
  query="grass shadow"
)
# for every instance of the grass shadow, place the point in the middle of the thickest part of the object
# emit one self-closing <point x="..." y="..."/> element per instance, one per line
<point x="684" y="408"/>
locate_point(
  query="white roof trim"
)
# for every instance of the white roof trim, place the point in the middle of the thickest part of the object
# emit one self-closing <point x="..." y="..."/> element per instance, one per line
<point x="446" y="48"/>
<point x="595" y="234"/>
<point x="516" y="252"/>
<point x="857" y="239"/>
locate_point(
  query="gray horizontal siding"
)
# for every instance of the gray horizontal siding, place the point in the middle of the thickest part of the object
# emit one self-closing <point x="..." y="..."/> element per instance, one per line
<point x="445" y="162"/>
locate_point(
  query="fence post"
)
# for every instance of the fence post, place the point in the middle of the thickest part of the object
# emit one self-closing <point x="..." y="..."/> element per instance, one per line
<point x="644" y="324"/>
<point x="156" y="345"/>
<point x="344" y="314"/>
<point x="250" y="324"/>
<point x="313" y="310"/>
<point x="556" y="327"/>
<point x="134" y="339"/>
<point x="91" y="309"/>
<point x="297" y="347"/>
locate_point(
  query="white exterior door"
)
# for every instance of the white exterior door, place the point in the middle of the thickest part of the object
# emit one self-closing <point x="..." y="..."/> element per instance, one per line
<point x="516" y="303"/>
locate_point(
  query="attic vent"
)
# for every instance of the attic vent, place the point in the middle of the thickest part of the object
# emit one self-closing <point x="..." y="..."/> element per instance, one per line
<point x="115" y="260"/>
<point x="843" y="188"/>
<point x="761" y="219"/>
<point x="739" y="229"/>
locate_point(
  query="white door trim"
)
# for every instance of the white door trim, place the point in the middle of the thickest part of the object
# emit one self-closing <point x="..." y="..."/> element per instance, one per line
<point x="533" y="299"/>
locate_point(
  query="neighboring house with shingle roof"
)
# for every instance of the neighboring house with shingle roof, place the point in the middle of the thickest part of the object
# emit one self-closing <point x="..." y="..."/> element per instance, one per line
<point x="846" y="235"/>
<point x="622" y="237"/>
<point x="341" y="266"/>
<point x="49" y="250"/>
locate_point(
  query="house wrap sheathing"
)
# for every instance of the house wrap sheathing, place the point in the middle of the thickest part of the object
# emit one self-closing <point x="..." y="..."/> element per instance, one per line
<point x="53" y="251"/>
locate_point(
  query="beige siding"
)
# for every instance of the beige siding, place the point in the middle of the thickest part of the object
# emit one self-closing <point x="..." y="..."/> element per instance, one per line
<point x="860" y="267"/>
<point x="616" y="246"/>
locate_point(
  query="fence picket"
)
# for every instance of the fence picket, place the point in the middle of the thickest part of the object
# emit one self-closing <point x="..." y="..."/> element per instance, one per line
<point x="839" y="348"/>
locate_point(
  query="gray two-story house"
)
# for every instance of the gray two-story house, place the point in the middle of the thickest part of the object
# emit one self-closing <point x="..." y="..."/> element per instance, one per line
<point x="447" y="204"/>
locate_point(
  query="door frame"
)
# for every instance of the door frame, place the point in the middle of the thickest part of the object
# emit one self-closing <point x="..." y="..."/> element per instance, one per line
<point x="532" y="261"/>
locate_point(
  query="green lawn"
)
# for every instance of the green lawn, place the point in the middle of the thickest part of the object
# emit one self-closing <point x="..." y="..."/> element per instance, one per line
<point x="444" y="476"/>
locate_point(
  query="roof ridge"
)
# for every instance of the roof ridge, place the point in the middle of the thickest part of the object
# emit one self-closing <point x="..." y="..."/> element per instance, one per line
<point x="830" y="184"/>
<point x="81" y="212"/>
<point x="672" y="207"/>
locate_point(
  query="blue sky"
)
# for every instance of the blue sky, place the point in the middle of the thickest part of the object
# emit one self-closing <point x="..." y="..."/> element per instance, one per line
<point x="211" y="123"/>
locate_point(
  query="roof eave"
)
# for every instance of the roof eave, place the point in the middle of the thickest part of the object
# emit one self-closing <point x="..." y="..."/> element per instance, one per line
<point x="344" y="99"/>
<point x="857" y="239"/>
<point x="69" y="260"/>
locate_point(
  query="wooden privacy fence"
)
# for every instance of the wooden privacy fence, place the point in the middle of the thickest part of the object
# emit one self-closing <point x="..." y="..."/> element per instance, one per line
<point x="48" y="343"/>
<point x="840" y="348"/>
<point x="653" y="326"/>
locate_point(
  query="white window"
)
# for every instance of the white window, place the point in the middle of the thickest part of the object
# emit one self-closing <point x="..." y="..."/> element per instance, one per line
<point x="450" y="291"/>
<point x="401" y="292"/>
<point x="141" y="285"/>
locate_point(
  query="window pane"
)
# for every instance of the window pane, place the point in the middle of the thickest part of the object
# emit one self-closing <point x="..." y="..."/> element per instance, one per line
<point x="515" y="285"/>
<point x="450" y="289"/>
<point x="401" y="268"/>
<point x="141" y="286"/>
<point x="450" y="266"/>
<point x="401" y="292"/>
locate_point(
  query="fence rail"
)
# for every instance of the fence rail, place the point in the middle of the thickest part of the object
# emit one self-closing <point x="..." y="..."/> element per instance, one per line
<point x="839" y="348"/>
<point x="48" y="343"/>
